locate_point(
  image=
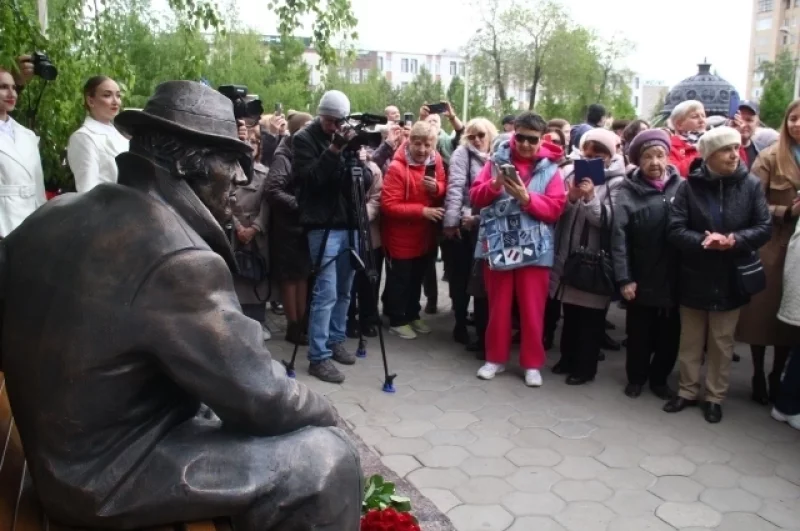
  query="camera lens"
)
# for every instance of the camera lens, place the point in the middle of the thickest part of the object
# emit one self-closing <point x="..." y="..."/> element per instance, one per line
<point x="47" y="71"/>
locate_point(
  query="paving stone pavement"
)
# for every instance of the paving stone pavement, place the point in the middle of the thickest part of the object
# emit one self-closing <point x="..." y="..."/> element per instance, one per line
<point x="500" y="456"/>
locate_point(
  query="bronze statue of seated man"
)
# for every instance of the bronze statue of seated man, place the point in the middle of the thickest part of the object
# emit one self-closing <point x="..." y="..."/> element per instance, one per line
<point x="120" y="319"/>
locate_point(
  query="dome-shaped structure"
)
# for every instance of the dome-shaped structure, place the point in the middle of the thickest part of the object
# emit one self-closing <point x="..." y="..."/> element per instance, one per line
<point x="713" y="91"/>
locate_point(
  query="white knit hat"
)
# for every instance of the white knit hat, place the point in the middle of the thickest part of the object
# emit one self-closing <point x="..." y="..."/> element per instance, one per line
<point x="334" y="103"/>
<point x="716" y="139"/>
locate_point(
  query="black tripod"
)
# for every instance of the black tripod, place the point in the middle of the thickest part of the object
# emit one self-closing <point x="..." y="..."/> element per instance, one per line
<point x="363" y="259"/>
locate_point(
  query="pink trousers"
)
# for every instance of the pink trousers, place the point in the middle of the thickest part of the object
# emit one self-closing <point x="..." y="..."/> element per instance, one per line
<point x="529" y="285"/>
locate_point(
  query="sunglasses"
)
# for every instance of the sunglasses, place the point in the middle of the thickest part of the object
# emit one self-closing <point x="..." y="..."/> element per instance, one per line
<point x="520" y="138"/>
<point x="480" y="135"/>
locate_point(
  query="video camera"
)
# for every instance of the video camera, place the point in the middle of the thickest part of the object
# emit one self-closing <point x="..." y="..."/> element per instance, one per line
<point x="249" y="111"/>
<point x="42" y="66"/>
<point x="363" y="136"/>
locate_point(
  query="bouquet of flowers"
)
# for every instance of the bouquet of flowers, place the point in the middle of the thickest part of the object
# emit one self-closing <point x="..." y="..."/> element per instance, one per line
<point x="383" y="510"/>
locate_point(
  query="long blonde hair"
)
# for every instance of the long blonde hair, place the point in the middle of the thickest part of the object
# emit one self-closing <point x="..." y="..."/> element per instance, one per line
<point x="477" y="125"/>
<point x="787" y="164"/>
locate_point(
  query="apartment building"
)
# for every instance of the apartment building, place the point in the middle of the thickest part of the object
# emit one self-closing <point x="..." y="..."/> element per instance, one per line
<point x="775" y="27"/>
<point x="645" y="95"/>
<point x="400" y="68"/>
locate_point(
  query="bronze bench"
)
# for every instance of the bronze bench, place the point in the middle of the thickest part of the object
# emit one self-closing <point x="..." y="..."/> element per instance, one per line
<point x="19" y="505"/>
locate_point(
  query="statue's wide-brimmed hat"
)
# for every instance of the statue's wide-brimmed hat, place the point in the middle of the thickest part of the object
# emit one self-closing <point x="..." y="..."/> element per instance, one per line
<point x="189" y="109"/>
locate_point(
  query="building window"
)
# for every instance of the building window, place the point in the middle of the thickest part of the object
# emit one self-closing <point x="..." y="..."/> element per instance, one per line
<point x="765" y="6"/>
<point x="404" y="84"/>
<point x="413" y="66"/>
<point x="380" y="64"/>
<point x="404" y="65"/>
<point x="763" y="24"/>
<point x="436" y="68"/>
<point x="354" y="76"/>
<point x="760" y="58"/>
<point x="453" y="68"/>
<point x="388" y="65"/>
<point x="636" y="100"/>
<point x="364" y="74"/>
<point x="636" y="83"/>
<point x="462" y="69"/>
<point x="762" y="41"/>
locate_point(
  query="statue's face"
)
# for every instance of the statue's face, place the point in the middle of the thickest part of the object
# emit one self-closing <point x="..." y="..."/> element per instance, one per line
<point x="224" y="173"/>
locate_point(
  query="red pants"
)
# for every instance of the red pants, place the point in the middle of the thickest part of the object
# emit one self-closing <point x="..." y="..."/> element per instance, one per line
<point x="530" y="285"/>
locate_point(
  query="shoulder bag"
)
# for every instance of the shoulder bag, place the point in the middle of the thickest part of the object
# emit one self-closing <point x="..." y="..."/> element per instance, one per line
<point x="588" y="269"/>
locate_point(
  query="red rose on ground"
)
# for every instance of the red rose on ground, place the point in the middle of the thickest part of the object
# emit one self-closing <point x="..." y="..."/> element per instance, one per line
<point x="388" y="520"/>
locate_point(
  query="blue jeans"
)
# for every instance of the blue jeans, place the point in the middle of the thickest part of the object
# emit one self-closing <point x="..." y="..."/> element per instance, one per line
<point x="331" y="296"/>
<point x="788" y="402"/>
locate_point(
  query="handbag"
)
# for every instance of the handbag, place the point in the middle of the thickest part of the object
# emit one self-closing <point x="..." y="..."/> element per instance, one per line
<point x="251" y="266"/>
<point x="587" y="269"/>
<point x="750" y="275"/>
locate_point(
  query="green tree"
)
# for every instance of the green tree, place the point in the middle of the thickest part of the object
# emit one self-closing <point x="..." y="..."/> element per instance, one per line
<point x="778" y="84"/>
<point x="124" y="40"/>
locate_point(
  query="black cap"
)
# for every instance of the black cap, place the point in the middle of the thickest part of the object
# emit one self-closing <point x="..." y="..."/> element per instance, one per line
<point x="750" y="105"/>
<point x="509" y="119"/>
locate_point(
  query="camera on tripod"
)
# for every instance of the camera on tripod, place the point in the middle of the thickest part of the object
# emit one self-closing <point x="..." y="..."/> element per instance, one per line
<point x="249" y="111"/>
<point x="364" y="137"/>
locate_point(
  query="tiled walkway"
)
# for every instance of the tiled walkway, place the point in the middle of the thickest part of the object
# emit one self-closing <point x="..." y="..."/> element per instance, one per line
<point x="500" y="456"/>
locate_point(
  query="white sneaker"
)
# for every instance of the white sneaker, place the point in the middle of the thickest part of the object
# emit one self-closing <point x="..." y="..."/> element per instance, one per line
<point x="533" y="378"/>
<point x="266" y="333"/>
<point x="777" y="415"/>
<point x="489" y="370"/>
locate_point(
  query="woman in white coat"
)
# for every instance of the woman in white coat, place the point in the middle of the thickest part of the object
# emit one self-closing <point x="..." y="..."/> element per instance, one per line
<point x="92" y="149"/>
<point x="21" y="177"/>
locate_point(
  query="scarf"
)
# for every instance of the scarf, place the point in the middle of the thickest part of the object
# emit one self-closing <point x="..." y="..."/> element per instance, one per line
<point x="659" y="184"/>
<point x="692" y="138"/>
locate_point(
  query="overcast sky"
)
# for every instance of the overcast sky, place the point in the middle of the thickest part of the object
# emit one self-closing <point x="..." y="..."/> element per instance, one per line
<point x="670" y="37"/>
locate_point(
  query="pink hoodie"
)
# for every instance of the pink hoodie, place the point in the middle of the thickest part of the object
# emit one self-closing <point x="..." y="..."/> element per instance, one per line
<point x="545" y="207"/>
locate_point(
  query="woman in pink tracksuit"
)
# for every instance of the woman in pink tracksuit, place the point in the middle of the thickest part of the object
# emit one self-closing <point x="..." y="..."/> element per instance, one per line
<point x="517" y="240"/>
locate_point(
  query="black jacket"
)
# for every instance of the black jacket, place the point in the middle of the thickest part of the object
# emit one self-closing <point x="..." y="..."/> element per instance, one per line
<point x="708" y="278"/>
<point x="324" y="189"/>
<point x="640" y="249"/>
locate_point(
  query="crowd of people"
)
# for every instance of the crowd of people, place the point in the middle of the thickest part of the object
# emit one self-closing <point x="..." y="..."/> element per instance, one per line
<point x="691" y="229"/>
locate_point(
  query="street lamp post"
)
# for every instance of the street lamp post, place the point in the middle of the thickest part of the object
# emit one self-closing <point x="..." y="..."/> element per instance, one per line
<point x="42" y="4"/>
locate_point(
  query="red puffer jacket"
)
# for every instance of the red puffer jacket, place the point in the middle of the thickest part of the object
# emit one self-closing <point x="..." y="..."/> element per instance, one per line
<point x="682" y="154"/>
<point x="405" y="232"/>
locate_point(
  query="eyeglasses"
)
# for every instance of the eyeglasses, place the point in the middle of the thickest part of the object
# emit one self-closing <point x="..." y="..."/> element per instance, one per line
<point x="530" y="139"/>
<point x="480" y="135"/>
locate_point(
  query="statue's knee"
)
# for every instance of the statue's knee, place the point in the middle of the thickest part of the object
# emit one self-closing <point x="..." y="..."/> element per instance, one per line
<point x="340" y="456"/>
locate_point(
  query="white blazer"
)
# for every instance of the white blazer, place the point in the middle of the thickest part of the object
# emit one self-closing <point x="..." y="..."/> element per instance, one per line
<point x="91" y="154"/>
<point x="21" y="177"/>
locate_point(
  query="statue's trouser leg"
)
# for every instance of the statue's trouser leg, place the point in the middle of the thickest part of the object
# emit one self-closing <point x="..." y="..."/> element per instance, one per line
<point x="326" y="486"/>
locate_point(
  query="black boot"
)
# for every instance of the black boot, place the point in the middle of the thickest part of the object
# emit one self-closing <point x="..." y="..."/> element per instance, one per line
<point x="351" y="329"/>
<point x="461" y="335"/>
<point x="662" y="391"/>
<point x="633" y="390"/>
<point x="610" y="344"/>
<point x="712" y="413"/>
<point x="759" y="384"/>
<point x="678" y="404"/>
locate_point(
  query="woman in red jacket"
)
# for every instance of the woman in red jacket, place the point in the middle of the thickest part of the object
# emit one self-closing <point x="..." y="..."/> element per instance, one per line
<point x="413" y="189"/>
<point x="689" y="121"/>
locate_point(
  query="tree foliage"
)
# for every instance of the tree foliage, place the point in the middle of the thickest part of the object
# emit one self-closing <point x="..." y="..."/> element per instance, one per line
<point x="139" y="48"/>
<point x="561" y="67"/>
<point x="778" y="84"/>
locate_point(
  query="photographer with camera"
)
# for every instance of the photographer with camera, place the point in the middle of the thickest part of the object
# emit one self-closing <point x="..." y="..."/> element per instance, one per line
<point x="21" y="175"/>
<point x="327" y="212"/>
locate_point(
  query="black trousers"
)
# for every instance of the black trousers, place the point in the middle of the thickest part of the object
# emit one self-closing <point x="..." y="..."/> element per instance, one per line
<point x="430" y="280"/>
<point x="459" y="254"/>
<point x="481" y="306"/>
<point x="653" y="338"/>
<point x="363" y="304"/>
<point x="403" y="289"/>
<point x="552" y="314"/>
<point x="581" y="337"/>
